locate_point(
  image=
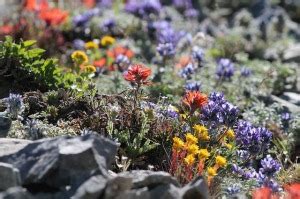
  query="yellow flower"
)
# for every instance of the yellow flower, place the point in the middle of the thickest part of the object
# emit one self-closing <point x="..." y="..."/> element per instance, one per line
<point x="211" y="171"/>
<point x="192" y="149"/>
<point x="107" y="40"/>
<point x="189" y="160"/>
<point x="190" y="139"/>
<point x="220" y="161"/>
<point x="203" y="154"/>
<point x="177" y="143"/>
<point x="201" y="132"/>
<point x="90" y="68"/>
<point x="230" y="134"/>
<point x="79" y="57"/>
<point x="229" y="146"/>
<point x="91" y="45"/>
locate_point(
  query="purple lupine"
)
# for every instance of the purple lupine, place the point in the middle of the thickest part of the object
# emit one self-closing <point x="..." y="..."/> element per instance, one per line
<point x="191" y="13"/>
<point x="84" y="18"/>
<point x="218" y="111"/>
<point x="251" y="138"/>
<point x="285" y="116"/>
<point x="105" y="3"/>
<point x="108" y="24"/>
<point x="225" y="68"/>
<point x="193" y="86"/>
<point x="269" y="166"/>
<point x="246" y="72"/>
<point x="183" y="4"/>
<point x="78" y="44"/>
<point x="198" y="54"/>
<point x="233" y="189"/>
<point x="187" y="71"/>
<point x="143" y="8"/>
<point x="166" y="49"/>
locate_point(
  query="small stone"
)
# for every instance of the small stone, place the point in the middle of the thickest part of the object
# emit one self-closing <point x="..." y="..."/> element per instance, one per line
<point x="292" y="97"/>
<point x="16" y="193"/>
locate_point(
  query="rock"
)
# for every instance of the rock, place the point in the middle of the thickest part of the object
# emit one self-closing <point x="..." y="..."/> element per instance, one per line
<point x="291" y="107"/>
<point x="92" y="188"/>
<point x="10" y="145"/>
<point x="116" y="187"/>
<point x="5" y="124"/>
<point x="291" y="97"/>
<point x="292" y="54"/>
<point x="142" y="193"/>
<point x="16" y="193"/>
<point x="195" y="189"/>
<point x="62" y="161"/>
<point x="166" y="191"/>
<point x="10" y="176"/>
<point x="145" y="178"/>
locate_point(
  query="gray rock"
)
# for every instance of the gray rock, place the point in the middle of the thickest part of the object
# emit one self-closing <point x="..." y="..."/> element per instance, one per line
<point x="195" y="189"/>
<point x="145" y="178"/>
<point x="63" y="161"/>
<point x="292" y="54"/>
<point x="92" y="188"/>
<point x="10" y="176"/>
<point x="166" y="191"/>
<point x="142" y="193"/>
<point x="5" y="124"/>
<point x="291" y="97"/>
<point x="116" y="186"/>
<point x="10" y="145"/>
<point x="291" y="107"/>
<point x="16" y="193"/>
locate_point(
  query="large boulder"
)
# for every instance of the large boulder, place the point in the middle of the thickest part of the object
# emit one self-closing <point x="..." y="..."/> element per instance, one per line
<point x="10" y="176"/>
<point x="62" y="161"/>
<point x="10" y="146"/>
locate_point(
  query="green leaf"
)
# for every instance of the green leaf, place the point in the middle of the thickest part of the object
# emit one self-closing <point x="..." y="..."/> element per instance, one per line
<point x="35" y="52"/>
<point x="29" y="43"/>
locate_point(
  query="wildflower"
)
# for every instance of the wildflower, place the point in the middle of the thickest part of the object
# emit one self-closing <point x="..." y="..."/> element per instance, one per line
<point x="269" y="166"/>
<point x="178" y="144"/>
<point x="203" y="154"/>
<point x="189" y="159"/>
<point x="230" y="134"/>
<point x="220" y="161"/>
<point x="285" y="116"/>
<point x="90" y="68"/>
<point x="198" y="54"/>
<point x="108" y="25"/>
<point x="233" y="189"/>
<point x="194" y="100"/>
<point x="166" y="49"/>
<point x="245" y="72"/>
<point x="138" y="74"/>
<point x="79" y="57"/>
<point x="192" y="149"/>
<point x="120" y="50"/>
<point x="211" y="171"/>
<point x="30" y="5"/>
<point x="53" y="16"/>
<point x="187" y="71"/>
<point x="193" y="86"/>
<point x="107" y="41"/>
<point x="100" y="62"/>
<point x="225" y="68"/>
<point x="78" y="44"/>
<point x="190" y="139"/>
<point x="15" y="105"/>
<point x="201" y="132"/>
<point x="91" y="45"/>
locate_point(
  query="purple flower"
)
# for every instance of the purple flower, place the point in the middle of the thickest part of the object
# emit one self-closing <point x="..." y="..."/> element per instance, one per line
<point x="233" y="189"/>
<point x="183" y="4"/>
<point x="104" y="3"/>
<point x="218" y="111"/>
<point x="269" y="166"/>
<point x="122" y="59"/>
<point x="193" y="86"/>
<point x="84" y="18"/>
<point x="108" y="24"/>
<point x="245" y="72"/>
<point x="78" y="44"/>
<point x="198" y="54"/>
<point x="285" y="116"/>
<point x="143" y="8"/>
<point x="225" y="68"/>
<point x="166" y="49"/>
<point x="14" y="104"/>
<point x="187" y="71"/>
<point x="191" y="13"/>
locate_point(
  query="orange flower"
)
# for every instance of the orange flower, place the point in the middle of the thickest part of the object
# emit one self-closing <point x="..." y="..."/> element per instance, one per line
<point x="120" y="50"/>
<point x="264" y="193"/>
<point x="194" y="100"/>
<point x="100" y="62"/>
<point x="6" y="29"/>
<point x="137" y="73"/>
<point x="293" y="190"/>
<point x="89" y="3"/>
<point x="53" y="16"/>
<point x="30" y="5"/>
<point x="183" y="61"/>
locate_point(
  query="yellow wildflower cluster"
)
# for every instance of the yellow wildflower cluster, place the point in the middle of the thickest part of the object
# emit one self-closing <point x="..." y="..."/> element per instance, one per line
<point x="201" y="132"/>
<point x="203" y="154"/>
<point x="107" y="40"/>
<point x="230" y="134"/>
<point x="189" y="159"/>
<point x="211" y="171"/>
<point x="190" y="139"/>
<point x="220" y="161"/>
<point x="79" y="57"/>
<point x="91" y="45"/>
<point x="90" y="69"/>
<point x="178" y="144"/>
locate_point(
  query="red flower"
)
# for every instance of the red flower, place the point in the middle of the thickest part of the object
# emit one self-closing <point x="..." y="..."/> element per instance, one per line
<point x="89" y="3"/>
<point x="264" y="193"/>
<point x="137" y="73"/>
<point x="6" y="29"/>
<point x="53" y="16"/>
<point x="30" y="5"/>
<point x="100" y="62"/>
<point x="293" y="190"/>
<point x="194" y="100"/>
<point x="120" y="50"/>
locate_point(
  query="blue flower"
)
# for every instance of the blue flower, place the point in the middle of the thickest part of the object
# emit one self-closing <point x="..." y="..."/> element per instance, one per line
<point x="183" y="4"/>
<point x="225" y="68"/>
<point x="246" y="72"/>
<point x="166" y="49"/>
<point x="191" y="13"/>
<point x="193" y="86"/>
<point x="233" y="189"/>
<point x="269" y="166"/>
<point x="15" y="105"/>
<point x="143" y="8"/>
<point x="198" y="54"/>
<point x="187" y="71"/>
